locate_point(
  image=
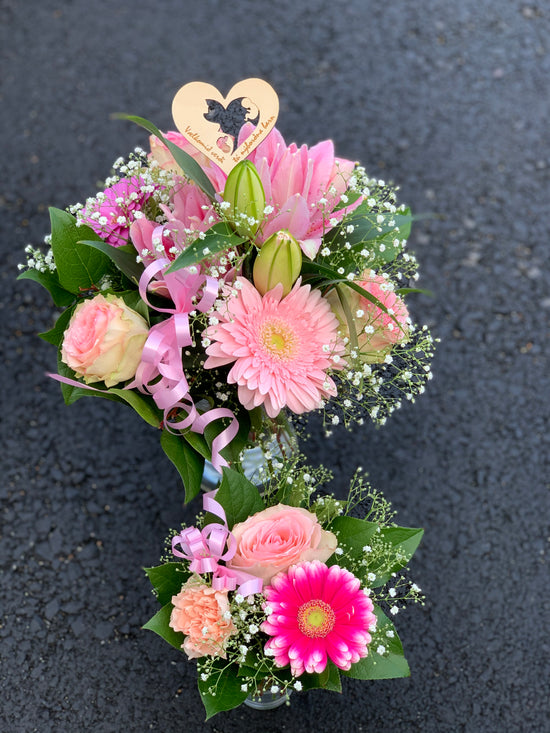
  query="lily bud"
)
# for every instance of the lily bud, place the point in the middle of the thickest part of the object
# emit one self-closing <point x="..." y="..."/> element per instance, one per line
<point x="245" y="194"/>
<point x="279" y="261"/>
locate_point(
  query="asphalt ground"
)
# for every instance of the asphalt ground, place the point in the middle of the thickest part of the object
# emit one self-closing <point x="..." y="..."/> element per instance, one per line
<point x="450" y="100"/>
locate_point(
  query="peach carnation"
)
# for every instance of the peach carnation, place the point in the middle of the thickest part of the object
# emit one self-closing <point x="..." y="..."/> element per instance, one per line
<point x="276" y="538"/>
<point x="203" y="614"/>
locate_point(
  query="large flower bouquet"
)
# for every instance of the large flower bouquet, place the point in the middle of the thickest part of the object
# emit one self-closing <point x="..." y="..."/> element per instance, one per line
<point x="222" y="302"/>
<point x="287" y="589"/>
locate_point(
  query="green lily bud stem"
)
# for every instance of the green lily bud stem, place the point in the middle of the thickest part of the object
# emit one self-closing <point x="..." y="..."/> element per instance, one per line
<point x="279" y="261"/>
<point x="245" y="194"/>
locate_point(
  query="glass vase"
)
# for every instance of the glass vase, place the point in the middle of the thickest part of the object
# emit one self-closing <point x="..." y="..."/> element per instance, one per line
<point x="282" y="443"/>
<point x="267" y="700"/>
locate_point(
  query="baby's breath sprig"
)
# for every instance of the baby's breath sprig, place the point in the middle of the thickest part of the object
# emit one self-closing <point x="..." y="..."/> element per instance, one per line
<point x="37" y="259"/>
<point x="245" y="650"/>
<point x="377" y="390"/>
<point x="367" y="503"/>
<point x="288" y="479"/>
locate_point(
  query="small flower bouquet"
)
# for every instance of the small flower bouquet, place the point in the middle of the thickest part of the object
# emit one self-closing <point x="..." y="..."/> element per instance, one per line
<point x="222" y="287"/>
<point x="285" y="590"/>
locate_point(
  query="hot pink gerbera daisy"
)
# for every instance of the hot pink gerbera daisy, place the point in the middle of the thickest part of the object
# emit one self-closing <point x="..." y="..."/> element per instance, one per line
<point x="316" y="612"/>
<point x="282" y="347"/>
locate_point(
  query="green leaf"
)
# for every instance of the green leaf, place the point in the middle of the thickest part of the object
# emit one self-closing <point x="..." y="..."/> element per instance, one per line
<point x="144" y="406"/>
<point x="352" y="198"/>
<point x="198" y="443"/>
<point x="366" y="228"/>
<point x="160" y="625"/>
<point x="369" y="234"/>
<point x="218" y="238"/>
<point x="329" y="679"/>
<point x="66" y="389"/>
<point x="353" y="534"/>
<point x="123" y="257"/>
<point x="133" y="300"/>
<point x="189" y="165"/>
<point x="422" y="291"/>
<point x="331" y="277"/>
<point x="50" y="281"/>
<point x="187" y="461"/>
<point x="55" y="335"/>
<point x="405" y="540"/>
<point x="167" y="580"/>
<point x="375" y="666"/>
<point x="227" y="685"/>
<point x="79" y="268"/>
<point x="238" y="496"/>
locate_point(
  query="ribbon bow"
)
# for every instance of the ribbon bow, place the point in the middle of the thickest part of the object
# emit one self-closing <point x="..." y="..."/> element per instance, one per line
<point x="206" y="549"/>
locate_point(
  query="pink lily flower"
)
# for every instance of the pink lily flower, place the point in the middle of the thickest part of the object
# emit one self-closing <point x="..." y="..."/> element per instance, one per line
<point x="303" y="186"/>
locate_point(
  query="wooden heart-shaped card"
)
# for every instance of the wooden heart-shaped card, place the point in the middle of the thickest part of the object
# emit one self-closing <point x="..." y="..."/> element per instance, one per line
<point x="211" y="122"/>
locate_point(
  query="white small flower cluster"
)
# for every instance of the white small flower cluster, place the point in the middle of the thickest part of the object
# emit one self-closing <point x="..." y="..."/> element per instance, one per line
<point x="38" y="260"/>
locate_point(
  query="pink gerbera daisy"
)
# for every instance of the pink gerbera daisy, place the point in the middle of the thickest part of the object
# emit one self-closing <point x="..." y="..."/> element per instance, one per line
<point x="316" y="612"/>
<point x="282" y="347"/>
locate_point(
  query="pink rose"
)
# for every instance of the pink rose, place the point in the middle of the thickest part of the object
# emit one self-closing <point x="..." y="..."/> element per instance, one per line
<point x="104" y="340"/>
<point x="203" y="614"/>
<point x="276" y="538"/>
<point x="377" y="332"/>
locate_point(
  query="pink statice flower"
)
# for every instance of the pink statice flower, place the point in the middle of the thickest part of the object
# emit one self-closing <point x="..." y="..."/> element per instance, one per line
<point x="165" y="159"/>
<point x="316" y="613"/>
<point x="302" y="186"/>
<point x="283" y="348"/>
<point x="112" y="212"/>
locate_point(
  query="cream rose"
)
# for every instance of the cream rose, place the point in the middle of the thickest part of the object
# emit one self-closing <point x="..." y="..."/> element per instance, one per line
<point x="377" y="332"/>
<point x="104" y="340"/>
<point x="276" y="538"/>
<point x="202" y="613"/>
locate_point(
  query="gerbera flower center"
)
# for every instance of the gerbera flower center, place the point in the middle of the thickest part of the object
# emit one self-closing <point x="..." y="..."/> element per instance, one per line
<point x="316" y="619"/>
<point x="278" y="339"/>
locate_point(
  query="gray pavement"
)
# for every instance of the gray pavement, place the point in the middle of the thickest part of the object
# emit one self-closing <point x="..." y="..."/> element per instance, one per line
<point x="450" y="100"/>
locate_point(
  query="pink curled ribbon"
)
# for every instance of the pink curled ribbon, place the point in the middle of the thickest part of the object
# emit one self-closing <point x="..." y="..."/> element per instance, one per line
<point x="206" y="548"/>
<point x="162" y="354"/>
